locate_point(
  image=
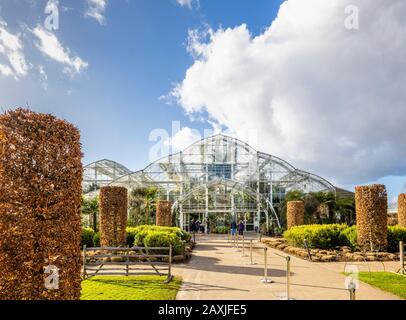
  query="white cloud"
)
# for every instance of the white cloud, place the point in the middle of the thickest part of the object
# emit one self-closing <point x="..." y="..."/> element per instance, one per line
<point x="329" y="99"/>
<point x="96" y="10"/>
<point x="188" y="3"/>
<point x="50" y="45"/>
<point x="11" y="49"/>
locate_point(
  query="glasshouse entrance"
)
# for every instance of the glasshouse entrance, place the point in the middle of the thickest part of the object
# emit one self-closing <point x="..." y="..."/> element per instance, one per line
<point x="216" y="180"/>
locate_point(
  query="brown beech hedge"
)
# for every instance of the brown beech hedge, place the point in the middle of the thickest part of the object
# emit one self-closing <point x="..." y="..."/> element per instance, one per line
<point x="372" y="222"/>
<point x="40" y="220"/>
<point x="164" y="213"/>
<point x="113" y="216"/>
<point x="295" y="213"/>
<point x="402" y="210"/>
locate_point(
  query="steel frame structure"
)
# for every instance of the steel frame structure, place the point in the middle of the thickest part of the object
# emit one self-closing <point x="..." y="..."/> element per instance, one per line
<point x="222" y="175"/>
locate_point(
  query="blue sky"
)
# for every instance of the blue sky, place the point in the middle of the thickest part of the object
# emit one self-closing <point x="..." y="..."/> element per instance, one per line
<point x="134" y="54"/>
<point x="134" y="58"/>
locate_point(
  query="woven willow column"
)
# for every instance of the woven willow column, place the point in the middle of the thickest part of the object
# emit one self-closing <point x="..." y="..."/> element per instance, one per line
<point x="402" y="210"/>
<point x="295" y="213"/>
<point x="164" y="213"/>
<point x="40" y="219"/>
<point x="372" y="222"/>
<point x="113" y="216"/>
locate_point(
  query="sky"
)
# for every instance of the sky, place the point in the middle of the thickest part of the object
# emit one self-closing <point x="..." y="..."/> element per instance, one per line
<point x="319" y="83"/>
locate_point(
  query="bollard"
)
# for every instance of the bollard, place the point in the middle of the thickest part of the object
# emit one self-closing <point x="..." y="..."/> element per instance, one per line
<point x="288" y="278"/>
<point x="402" y="269"/>
<point x="236" y="237"/>
<point x="194" y="237"/>
<point x="351" y="289"/>
<point x="251" y="248"/>
<point x="266" y="279"/>
<point x="243" y="247"/>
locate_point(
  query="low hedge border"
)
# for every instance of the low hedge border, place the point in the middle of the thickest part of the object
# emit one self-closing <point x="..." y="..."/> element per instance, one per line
<point x="331" y="236"/>
<point x="145" y="236"/>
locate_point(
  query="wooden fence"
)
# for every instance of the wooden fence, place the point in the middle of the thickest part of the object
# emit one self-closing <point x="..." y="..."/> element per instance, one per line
<point x="129" y="261"/>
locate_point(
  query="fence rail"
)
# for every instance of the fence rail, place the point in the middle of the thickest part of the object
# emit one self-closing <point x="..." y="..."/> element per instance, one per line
<point x="127" y="258"/>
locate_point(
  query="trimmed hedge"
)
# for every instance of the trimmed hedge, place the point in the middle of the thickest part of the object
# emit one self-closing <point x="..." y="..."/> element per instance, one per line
<point x="335" y="235"/>
<point x="318" y="236"/>
<point x="177" y="237"/>
<point x="164" y="239"/>
<point x="348" y="237"/>
<point x="137" y="237"/>
<point x="371" y="204"/>
<point x="40" y="221"/>
<point x="396" y="234"/>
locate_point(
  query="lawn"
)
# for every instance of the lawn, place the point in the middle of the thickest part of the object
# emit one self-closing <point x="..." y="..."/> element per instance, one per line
<point x="130" y="288"/>
<point x="386" y="281"/>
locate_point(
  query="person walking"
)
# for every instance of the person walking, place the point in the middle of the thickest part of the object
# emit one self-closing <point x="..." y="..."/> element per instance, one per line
<point x="233" y="227"/>
<point x="241" y="228"/>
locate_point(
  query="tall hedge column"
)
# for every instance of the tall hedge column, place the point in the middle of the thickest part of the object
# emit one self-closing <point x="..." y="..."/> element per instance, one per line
<point x="40" y="220"/>
<point x="402" y="210"/>
<point x="113" y="216"/>
<point x="164" y="213"/>
<point x="295" y="213"/>
<point x="372" y="222"/>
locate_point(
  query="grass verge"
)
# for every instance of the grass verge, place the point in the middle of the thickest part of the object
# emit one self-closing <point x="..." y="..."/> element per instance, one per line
<point x="386" y="281"/>
<point x="130" y="288"/>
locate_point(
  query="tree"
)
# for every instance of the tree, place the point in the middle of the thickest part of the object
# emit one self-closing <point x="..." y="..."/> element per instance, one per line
<point x="90" y="206"/>
<point x="346" y="210"/>
<point x="142" y="201"/>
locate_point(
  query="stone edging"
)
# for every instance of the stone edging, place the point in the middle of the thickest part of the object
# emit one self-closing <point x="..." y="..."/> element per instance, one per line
<point x="345" y="254"/>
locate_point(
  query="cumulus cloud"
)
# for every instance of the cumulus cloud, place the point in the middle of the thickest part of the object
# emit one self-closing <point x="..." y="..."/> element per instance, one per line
<point x="11" y="49"/>
<point x="50" y="46"/>
<point x="96" y="10"/>
<point x="329" y="99"/>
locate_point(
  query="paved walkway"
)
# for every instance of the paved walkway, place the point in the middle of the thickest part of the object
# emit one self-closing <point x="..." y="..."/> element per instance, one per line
<point x="217" y="271"/>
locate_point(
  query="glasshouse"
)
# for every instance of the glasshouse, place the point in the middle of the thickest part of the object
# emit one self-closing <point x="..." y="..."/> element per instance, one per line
<point x="219" y="177"/>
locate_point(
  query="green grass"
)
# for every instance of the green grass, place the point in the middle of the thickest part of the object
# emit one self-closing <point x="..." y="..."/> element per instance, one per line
<point x="130" y="288"/>
<point x="386" y="281"/>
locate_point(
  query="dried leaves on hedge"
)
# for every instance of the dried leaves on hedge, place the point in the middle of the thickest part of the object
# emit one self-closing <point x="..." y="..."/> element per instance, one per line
<point x="372" y="223"/>
<point x="295" y="213"/>
<point x="40" y="189"/>
<point x="164" y="213"/>
<point x="402" y="210"/>
<point x="113" y="216"/>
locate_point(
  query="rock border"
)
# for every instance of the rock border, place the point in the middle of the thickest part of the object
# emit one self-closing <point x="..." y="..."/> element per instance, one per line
<point x="345" y="254"/>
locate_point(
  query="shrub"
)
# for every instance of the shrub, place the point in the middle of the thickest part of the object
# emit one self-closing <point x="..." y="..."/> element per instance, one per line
<point x="164" y="239"/>
<point x="131" y="233"/>
<point x="318" y="236"/>
<point x="221" y="230"/>
<point x="87" y="237"/>
<point x="141" y="232"/>
<point x="348" y="237"/>
<point x="96" y="239"/>
<point x="396" y="234"/>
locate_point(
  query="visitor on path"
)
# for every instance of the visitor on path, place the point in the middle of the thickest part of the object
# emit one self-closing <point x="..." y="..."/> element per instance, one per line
<point x="241" y="228"/>
<point x="192" y="226"/>
<point x="198" y="226"/>
<point x="233" y="227"/>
